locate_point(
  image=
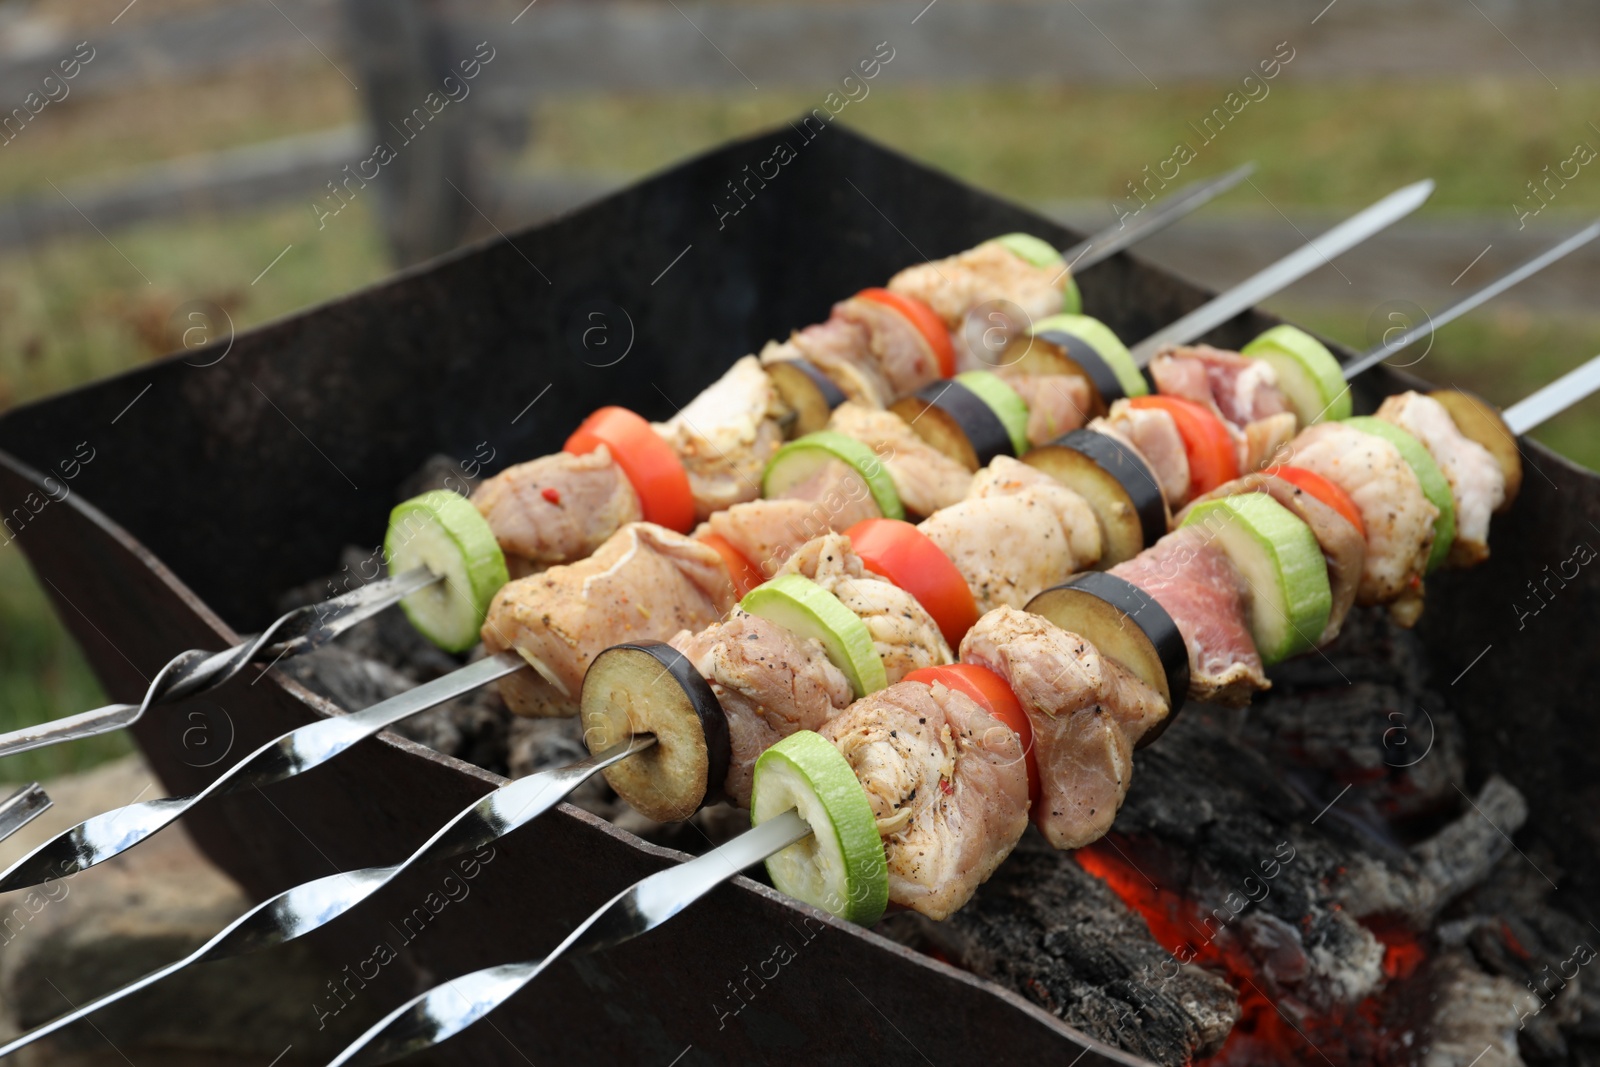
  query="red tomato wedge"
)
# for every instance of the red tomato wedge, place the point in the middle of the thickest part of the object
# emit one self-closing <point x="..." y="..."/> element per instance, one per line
<point x="745" y="575"/>
<point x="903" y="554"/>
<point x="1325" y="491"/>
<point x="1209" y="446"/>
<point x="925" y="319"/>
<point x="648" y="461"/>
<point x="993" y="695"/>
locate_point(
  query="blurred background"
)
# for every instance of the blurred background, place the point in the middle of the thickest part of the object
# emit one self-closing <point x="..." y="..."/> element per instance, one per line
<point x="171" y="170"/>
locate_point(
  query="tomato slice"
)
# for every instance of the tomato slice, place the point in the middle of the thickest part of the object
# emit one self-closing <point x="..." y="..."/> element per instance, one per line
<point x="925" y="319"/>
<point x="652" y="467"/>
<point x="904" y="554"/>
<point x="1325" y="491"/>
<point x="994" y="696"/>
<point x="746" y="576"/>
<point x="1213" y="458"/>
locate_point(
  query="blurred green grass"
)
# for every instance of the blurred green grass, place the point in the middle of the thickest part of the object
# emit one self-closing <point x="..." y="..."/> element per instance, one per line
<point x="75" y="310"/>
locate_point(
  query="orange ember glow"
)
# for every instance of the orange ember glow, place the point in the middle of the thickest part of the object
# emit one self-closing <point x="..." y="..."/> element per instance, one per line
<point x="1268" y="1032"/>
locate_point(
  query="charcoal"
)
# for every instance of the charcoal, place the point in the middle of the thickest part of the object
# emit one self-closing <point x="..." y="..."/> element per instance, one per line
<point x="1515" y="927"/>
<point x="1475" y="1016"/>
<point x="1362" y="710"/>
<point x="474" y="727"/>
<point x="1058" y="936"/>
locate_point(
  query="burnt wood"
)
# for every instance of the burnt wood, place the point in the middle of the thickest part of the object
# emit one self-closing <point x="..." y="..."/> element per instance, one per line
<point x="224" y="486"/>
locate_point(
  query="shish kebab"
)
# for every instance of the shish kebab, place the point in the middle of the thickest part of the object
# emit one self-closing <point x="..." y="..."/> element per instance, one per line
<point x="835" y="813"/>
<point x="307" y="627"/>
<point x="307" y="907"/>
<point x="471" y="570"/>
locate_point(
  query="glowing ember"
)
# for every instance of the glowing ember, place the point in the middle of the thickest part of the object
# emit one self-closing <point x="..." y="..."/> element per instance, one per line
<point x="1270" y="1031"/>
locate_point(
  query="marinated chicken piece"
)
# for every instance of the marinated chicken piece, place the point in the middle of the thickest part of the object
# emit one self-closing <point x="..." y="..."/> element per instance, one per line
<point x="903" y="633"/>
<point x="1238" y="388"/>
<point x="859" y="382"/>
<point x="925" y="477"/>
<point x="1266" y="441"/>
<point x="1087" y="713"/>
<point x="726" y="436"/>
<point x="1014" y="537"/>
<point x="1005" y="476"/>
<point x="1477" y="483"/>
<point x="959" y="283"/>
<point x="901" y="353"/>
<point x="767" y="532"/>
<point x="644" y="584"/>
<point x="769" y="682"/>
<point x="948" y="784"/>
<point x="1057" y="403"/>
<point x="557" y="509"/>
<point x="1343" y="547"/>
<point x="1154" y="435"/>
<point x="1196" y="583"/>
<point x="1399" y="519"/>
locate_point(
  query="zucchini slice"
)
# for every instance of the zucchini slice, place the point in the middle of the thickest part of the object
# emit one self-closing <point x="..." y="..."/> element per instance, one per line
<point x="798" y="460"/>
<point x="1004" y="401"/>
<point x="809" y="393"/>
<point x="805" y="609"/>
<point x="954" y="419"/>
<point x="1286" y="577"/>
<point x="1307" y="373"/>
<point x="1121" y="490"/>
<point x="1098" y="607"/>
<point x="841" y="867"/>
<point x="1100" y="356"/>
<point x="1071" y="298"/>
<point x="1434" y="484"/>
<point x="1034" y="251"/>
<point x="1479" y="421"/>
<point x="443" y="532"/>
<point x="652" y="688"/>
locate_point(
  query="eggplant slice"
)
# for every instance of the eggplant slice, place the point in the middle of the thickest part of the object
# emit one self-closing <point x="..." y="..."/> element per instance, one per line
<point x="1075" y="355"/>
<point x="1121" y="490"/>
<point x="652" y="688"/>
<point x="807" y="392"/>
<point x="1099" y="608"/>
<point x="956" y="421"/>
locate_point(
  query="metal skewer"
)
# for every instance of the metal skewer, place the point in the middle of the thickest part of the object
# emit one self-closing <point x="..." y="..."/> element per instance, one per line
<point x="22" y="807"/>
<point x="113" y="832"/>
<point x="196" y="671"/>
<point x="447" y="1009"/>
<point x="1110" y="241"/>
<point x="1373" y="356"/>
<point x="298" y="911"/>
<point x="1554" y="398"/>
<point x="1450" y="314"/>
<point x="1296" y="265"/>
